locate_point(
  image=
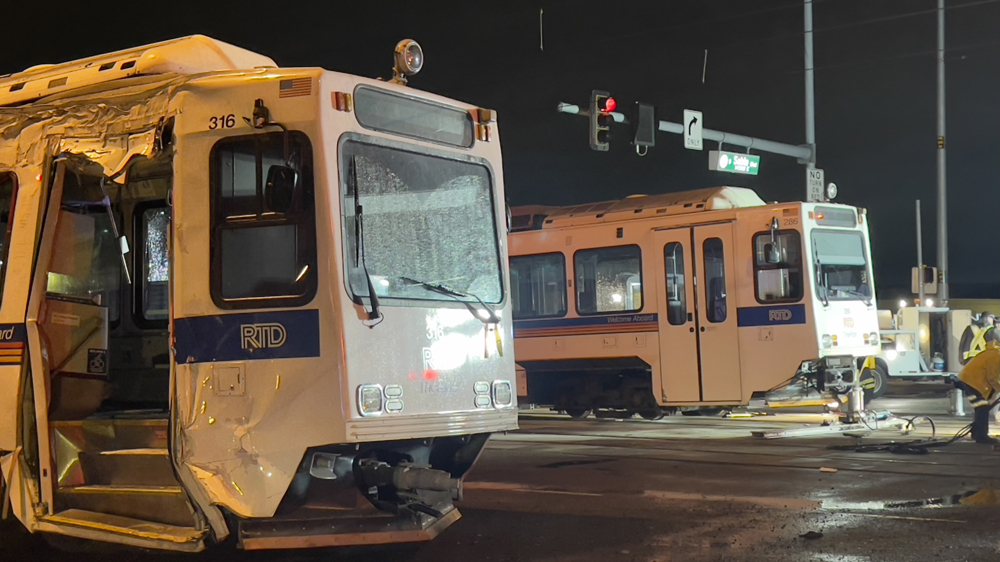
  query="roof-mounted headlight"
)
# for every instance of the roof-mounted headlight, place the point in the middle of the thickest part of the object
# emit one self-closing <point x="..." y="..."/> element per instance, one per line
<point x="409" y="60"/>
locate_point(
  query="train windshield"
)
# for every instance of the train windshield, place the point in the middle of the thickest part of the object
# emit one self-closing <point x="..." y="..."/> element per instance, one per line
<point x="841" y="265"/>
<point x="413" y="221"/>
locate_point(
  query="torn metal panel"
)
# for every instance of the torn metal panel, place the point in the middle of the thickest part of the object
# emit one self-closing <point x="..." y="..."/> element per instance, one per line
<point x="195" y="54"/>
<point x="107" y="131"/>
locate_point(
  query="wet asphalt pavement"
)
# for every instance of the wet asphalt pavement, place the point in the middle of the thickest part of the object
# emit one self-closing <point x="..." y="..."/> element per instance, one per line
<point x="693" y="489"/>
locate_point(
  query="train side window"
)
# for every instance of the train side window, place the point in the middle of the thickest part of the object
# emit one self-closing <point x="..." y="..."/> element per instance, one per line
<point x="608" y="280"/>
<point x="152" y="290"/>
<point x="782" y="281"/>
<point x="262" y="256"/>
<point x="538" y="286"/>
<point x="673" y="257"/>
<point x="8" y="194"/>
<point x="715" y="280"/>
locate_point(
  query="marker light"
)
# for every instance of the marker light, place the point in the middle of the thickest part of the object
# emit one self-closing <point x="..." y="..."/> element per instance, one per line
<point x="370" y="399"/>
<point x="409" y="57"/>
<point x="831" y="191"/>
<point x="502" y="394"/>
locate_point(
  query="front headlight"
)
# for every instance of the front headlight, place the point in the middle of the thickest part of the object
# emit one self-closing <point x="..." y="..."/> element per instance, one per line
<point x="502" y="394"/>
<point x="409" y="57"/>
<point x="370" y="401"/>
<point x="827" y="341"/>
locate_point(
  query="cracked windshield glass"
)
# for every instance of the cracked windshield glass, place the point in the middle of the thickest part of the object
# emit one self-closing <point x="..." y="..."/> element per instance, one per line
<point x="423" y="218"/>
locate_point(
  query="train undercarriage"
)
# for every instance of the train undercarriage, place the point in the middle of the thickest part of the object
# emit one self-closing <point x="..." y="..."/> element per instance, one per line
<point x="622" y="388"/>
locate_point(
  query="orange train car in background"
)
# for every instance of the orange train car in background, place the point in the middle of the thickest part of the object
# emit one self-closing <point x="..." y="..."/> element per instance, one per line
<point x="693" y="301"/>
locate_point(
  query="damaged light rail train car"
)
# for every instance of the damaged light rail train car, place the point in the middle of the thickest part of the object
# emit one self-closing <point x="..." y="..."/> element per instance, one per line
<point x="246" y="300"/>
<point x="694" y="301"/>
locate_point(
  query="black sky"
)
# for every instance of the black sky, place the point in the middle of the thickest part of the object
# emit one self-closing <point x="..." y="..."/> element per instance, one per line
<point x="875" y="90"/>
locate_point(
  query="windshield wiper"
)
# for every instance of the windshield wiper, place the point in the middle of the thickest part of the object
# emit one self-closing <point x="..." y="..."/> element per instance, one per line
<point x="359" y="246"/>
<point x="821" y="288"/>
<point x="864" y="298"/>
<point x="457" y="295"/>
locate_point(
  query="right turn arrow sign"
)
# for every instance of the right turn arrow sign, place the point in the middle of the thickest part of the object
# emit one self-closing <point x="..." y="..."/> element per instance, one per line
<point x="692" y="129"/>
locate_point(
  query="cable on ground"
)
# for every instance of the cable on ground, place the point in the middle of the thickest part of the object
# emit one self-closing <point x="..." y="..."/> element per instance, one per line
<point x="914" y="447"/>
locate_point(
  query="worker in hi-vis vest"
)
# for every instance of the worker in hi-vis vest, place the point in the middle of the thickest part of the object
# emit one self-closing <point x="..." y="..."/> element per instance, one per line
<point x="978" y="335"/>
<point x="980" y="381"/>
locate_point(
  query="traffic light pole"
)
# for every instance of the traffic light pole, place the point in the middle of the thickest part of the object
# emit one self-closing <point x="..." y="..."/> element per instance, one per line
<point x="942" y="194"/>
<point x="810" y="85"/>
<point x="803" y="153"/>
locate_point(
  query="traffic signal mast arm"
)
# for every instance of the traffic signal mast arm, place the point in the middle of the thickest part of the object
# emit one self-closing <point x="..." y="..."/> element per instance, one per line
<point x="805" y="154"/>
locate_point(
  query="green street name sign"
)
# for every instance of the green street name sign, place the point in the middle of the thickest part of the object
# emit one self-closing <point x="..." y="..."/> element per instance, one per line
<point x="733" y="162"/>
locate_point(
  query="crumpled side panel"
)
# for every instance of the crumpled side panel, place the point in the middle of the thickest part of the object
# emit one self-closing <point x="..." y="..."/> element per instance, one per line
<point x="245" y="450"/>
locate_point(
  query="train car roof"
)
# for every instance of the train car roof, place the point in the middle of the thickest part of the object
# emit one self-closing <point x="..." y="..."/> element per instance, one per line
<point x="195" y="54"/>
<point x="534" y="217"/>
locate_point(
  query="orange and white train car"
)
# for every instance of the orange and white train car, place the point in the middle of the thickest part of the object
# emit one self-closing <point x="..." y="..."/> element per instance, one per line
<point x="690" y="300"/>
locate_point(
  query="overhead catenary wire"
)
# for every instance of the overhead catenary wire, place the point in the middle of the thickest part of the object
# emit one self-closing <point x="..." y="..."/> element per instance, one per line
<point x="565" y="70"/>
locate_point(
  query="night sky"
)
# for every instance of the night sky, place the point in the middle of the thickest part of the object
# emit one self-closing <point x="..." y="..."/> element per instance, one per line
<point x="875" y="90"/>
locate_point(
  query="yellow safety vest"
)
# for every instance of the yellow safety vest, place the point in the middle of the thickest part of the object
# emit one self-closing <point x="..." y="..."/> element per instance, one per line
<point x="978" y="343"/>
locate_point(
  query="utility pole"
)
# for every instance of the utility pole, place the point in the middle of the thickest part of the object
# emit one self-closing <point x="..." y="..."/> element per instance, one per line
<point x="810" y="86"/>
<point x="920" y="259"/>
<point x="942" y="196"/>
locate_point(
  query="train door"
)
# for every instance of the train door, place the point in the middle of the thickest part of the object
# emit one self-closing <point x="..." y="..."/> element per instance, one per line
<point x="101" y="390"/>
<point x="699" y="347"/>
<point x="679" y="369"/>
<point x="718" y="340"/>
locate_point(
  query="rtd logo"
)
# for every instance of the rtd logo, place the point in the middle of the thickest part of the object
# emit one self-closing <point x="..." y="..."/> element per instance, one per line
<point x="262" y="336"/>
<point x="780" y="315"/>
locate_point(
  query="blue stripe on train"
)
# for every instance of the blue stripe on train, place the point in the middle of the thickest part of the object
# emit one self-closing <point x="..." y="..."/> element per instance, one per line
<point x="771" y="315"/>
<point x="248" y="336"/>
<point x="616" y="319"/>
<point x="13" y="333"/>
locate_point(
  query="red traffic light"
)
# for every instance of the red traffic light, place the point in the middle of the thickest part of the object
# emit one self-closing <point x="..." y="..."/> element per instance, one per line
<point x="607" y="105"/>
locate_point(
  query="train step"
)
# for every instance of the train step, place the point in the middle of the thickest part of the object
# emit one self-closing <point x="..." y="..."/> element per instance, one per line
<point x="159" y="504"/>
<point x="113" y="433"/>
<point x="123" y="467"/>
<point x="125" y="530"/>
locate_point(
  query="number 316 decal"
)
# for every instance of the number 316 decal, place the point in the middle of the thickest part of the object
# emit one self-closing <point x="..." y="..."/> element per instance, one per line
<point x="222" y="122"/>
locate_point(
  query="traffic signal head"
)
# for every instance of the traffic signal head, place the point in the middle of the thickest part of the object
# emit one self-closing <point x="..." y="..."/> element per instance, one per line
<point x="601" y="106"/>
<point x="643" y="121"/>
